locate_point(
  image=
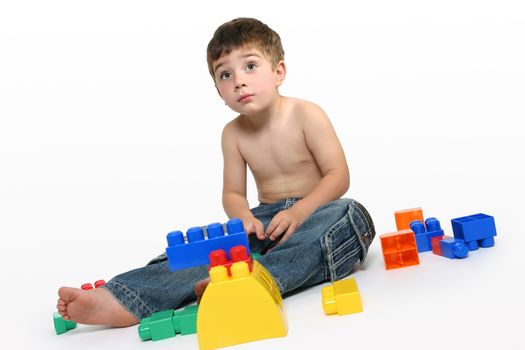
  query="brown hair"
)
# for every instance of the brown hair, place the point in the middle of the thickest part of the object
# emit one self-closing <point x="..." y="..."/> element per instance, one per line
<point x="241" y="32"/>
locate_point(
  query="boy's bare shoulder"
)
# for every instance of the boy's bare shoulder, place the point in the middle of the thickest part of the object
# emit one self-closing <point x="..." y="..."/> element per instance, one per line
<point x="232" y="127"/>
<point x="305" y="111"/>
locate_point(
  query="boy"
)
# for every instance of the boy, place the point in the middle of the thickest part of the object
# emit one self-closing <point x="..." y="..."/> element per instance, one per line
<point x="307" y="235"/>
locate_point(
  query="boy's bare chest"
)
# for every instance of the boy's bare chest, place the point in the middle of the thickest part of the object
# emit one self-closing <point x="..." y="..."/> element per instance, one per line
<point x="282" y="151"/>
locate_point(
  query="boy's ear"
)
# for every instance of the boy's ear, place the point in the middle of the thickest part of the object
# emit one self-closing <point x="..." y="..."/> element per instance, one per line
<point x="280" y="72"/>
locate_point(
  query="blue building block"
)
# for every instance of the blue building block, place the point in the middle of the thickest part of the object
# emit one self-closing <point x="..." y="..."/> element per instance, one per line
<point x="453" y="248"/>
<point x="476" y="230"/>
<point x="424" y="233"/>
<point x="195" y="252"/>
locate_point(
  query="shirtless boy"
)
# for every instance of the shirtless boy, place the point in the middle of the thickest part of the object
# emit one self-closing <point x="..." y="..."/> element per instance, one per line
<point x="307" y="234"/>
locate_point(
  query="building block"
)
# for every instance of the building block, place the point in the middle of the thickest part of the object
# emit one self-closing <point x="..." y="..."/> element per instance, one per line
<point x="237" y="253"/>
<point x="256" y="256"/>
<point x="475" y="230"/>
<point x="399" y="249"/>
<point x="342" y="297"/>
<point x="244" y="307"/>
<point x="86" y="286"/>
<point x="158" y="326"/>
<point x="61" y="325"/>
<point x="425" y="232"/>
<point x="168" y="323"/>
<point x="185" y="321"/>
<point x="99" y="283"/>
<point x="436" y="245"/>
<point x="195" y="252"/>
<point x="453" y="248"/>
<point x="406" y="216"/>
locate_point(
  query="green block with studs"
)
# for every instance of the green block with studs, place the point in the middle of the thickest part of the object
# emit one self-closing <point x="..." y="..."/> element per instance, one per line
<point x="61" y="325"/>
<point x="157" y="327"/>
<point x="185" y="321"/>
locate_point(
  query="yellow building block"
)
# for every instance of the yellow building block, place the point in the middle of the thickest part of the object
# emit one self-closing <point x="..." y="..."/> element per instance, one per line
<point x="342" y="297"/>
<point x="242" y="308"/>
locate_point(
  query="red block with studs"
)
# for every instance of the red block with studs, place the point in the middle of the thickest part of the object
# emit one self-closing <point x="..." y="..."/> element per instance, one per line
<point x="237" y="253"/>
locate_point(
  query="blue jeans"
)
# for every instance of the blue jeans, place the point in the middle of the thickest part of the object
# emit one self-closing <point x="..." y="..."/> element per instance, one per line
<point x="324" y="248"/>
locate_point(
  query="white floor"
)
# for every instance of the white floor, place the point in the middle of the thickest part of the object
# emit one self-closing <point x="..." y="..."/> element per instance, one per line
<point x="472" y="303"/>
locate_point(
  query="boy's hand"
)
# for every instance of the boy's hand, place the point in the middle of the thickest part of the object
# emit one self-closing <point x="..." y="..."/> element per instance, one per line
<point x="253" y="225"/>
<point x="284" y="224"/>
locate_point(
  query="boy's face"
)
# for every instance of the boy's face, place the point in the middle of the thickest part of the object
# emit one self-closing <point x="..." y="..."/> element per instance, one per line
<point x="246" y="81"/>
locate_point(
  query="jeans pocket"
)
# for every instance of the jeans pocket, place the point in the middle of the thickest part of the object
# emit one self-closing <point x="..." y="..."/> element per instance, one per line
<point x="342" y="249"/>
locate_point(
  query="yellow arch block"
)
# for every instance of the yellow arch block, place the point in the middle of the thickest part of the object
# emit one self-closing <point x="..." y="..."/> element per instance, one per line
<point x="242" y="308"/>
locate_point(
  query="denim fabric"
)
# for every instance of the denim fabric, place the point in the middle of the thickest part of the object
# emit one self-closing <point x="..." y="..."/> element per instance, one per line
<point x="324" y="248"/>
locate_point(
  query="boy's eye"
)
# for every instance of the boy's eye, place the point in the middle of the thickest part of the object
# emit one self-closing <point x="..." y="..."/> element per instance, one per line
<point x="225" y="76"/>
<point x="251" y="66"/>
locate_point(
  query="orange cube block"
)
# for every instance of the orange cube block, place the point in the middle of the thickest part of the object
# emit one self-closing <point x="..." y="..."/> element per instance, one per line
<point x="399" y="249"/>
<point x="406" y="216"/>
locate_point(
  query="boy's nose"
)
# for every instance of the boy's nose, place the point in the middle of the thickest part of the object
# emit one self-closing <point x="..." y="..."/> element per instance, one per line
<point x="239" y="81"/>
<point x="239" y="85"/>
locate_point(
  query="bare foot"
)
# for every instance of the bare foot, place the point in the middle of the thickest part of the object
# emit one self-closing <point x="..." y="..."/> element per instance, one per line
<point x="200" y="287"/>
<point x="95" y="306"/>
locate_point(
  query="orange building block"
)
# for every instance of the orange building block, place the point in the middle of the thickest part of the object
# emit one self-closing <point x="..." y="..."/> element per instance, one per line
<point x="406" y="216"/>
<point x="399" y="249"/>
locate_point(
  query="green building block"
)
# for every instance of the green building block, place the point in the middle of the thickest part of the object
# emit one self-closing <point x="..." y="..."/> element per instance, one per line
<point x="185" y="321"/>
<point x="158" y="326"/>
<point x="166" y="324"/>
<point x="255" y="256"/>
<point x="61" y="325"/>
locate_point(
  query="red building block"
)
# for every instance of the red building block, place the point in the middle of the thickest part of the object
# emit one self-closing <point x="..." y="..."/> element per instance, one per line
<point x="237" y="253"/>
<point x="406" y="216"/>
<point x="399" y="249"/>
<point x="436" y="245"/>
<point x="86" y="286"/>
<point x="99" y="283"/>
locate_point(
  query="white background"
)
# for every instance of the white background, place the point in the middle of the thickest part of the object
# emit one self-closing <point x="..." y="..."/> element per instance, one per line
<point x="110" y="137"/>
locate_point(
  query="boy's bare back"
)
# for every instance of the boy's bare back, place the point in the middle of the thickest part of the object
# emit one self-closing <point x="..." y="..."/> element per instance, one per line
<point x="288" y="154"/>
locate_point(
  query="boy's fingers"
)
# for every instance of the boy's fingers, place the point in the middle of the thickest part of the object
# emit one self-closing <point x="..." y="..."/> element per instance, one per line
<point x="248" y="229"/>
<point x="291" y="229"/>
<point x="259" y="231"/>
<point x="279" y="230"/>
<point x="271" y="227"/>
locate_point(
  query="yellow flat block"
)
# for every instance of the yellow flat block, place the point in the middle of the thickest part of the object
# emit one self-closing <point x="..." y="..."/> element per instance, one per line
<point x="242" y="308"/>
<point x="342" y="297"/>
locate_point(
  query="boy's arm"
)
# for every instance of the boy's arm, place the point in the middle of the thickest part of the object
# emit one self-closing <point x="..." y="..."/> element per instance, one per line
<point x="322" y="141"/>
<point x="328" y="153"/>
<point x="234" y="183"/>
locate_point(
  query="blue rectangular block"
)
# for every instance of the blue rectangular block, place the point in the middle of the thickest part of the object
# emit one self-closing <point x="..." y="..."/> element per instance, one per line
<point x="474" y="227"/>
<point x="195" y="252"/>
<point x="423" y="242"/>
<point x="453" y="248"/>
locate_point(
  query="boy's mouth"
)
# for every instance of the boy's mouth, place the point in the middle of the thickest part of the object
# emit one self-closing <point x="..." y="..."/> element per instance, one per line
<point x="245" y="97"/>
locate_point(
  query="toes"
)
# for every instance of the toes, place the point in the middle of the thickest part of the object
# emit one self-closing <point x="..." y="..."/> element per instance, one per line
<point x="68" y="294"/>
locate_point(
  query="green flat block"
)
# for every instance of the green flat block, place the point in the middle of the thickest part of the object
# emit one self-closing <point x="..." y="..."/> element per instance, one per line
<point x="157" y="327"/>
<point x="185" y="321"/>
<point x="61" y="325"/>
<point x="256" y="256"/>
